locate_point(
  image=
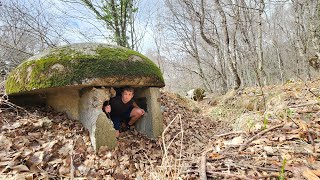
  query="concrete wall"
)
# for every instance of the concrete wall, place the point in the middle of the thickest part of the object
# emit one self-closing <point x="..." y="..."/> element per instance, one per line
<point x="66" y="101"/>
<point x="151" y="123"/>
<point x="105" y="134"/>
<point x="90" y="114"/>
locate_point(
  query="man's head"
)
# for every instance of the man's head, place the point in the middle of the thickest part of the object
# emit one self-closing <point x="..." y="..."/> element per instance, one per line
<point x="127" y="94"/>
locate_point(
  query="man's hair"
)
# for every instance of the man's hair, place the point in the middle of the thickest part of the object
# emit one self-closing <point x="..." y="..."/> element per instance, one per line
<point x="128" y="88"/>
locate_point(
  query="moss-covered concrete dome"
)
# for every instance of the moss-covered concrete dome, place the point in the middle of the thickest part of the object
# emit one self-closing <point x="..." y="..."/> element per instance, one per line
<point x="81" y="65"/>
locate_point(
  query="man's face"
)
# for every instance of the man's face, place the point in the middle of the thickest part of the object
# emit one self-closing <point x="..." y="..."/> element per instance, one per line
<point x="127" y="96"/>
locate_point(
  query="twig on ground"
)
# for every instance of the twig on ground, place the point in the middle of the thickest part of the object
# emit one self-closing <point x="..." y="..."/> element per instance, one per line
<point x="229" y="175"/>
<point x="306" y="111"/>
<point x="181" y="144"/>
<point x="14" y="106"/>
<point x="219" y="169"/>
<point x="230" y="133"/>
<point x="254" y="167"/>
<point x="293" y="121"/>
<point x="305" y="83"/>
<point x="312" y="142"/>
<point x="305" y="104"/>
<point x="165" y="148"/>
<point x="72" y="164"/>
<point x="203" y="162"/>
<point x="243" y="146"/>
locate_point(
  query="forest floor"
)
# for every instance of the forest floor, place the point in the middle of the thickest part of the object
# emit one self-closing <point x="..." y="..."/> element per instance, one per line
<point x="253" y="133"/>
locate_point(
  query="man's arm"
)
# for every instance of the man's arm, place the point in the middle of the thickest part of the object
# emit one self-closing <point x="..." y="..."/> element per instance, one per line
<point x="135" y="105"/>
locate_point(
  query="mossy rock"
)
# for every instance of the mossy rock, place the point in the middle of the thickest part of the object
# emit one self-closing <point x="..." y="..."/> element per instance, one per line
<point x="81" y="65"/>
<point x="199" y="94"/>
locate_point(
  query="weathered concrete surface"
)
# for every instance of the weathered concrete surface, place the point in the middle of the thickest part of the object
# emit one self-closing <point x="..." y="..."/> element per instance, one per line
<point x="90" y="114"/>
<point x="105" y="134"/>
<point x="66" y="101"/>
<point x="151" y="123"/>
<point x="86" y="106"/>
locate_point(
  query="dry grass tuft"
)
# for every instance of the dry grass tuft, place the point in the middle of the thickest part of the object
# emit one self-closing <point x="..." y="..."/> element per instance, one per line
<point x="171" y="167"/>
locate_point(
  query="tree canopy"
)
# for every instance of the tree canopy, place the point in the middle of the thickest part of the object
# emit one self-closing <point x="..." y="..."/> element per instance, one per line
<point x="118" y="16"/>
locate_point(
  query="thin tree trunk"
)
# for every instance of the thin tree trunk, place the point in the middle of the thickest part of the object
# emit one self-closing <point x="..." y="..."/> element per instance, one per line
<point x="232" y="63"/>
<point x="194" y="46"/>
<point x="261" y="73"/>
<point x="116" y="23"/>
<point x="123" y="20"/>
<point x="280" y="62"/>
<point x="300" y="34"/>
<point x="132" y="30"/>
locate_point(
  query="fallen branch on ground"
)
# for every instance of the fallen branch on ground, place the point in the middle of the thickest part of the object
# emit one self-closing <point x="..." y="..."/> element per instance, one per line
<point x="254" y="167"/>
<point x="203" y="163"/>
<point x="230" y="133"/>
<point x="306" y="104"/>
<point x="243" y="147"/>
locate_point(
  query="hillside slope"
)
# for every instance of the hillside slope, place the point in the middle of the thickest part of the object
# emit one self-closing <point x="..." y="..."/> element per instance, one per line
<point x="275" y="133"/>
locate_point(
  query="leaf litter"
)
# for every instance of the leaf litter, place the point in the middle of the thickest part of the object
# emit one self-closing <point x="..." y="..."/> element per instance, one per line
<point x="231" y="139"/>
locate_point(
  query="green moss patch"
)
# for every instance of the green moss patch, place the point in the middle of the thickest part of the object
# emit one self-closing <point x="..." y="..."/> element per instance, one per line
<point x="78" y="65"/>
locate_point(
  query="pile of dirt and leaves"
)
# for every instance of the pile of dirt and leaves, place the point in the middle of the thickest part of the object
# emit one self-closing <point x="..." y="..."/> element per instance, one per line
<point x="253" y="133"/>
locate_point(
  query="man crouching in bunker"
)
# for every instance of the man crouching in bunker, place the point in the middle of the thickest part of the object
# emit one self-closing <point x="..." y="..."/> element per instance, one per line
<point x="123" y="110"/>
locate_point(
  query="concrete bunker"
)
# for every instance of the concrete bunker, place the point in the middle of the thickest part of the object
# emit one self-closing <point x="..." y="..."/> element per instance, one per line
<point x="76" y="79"/>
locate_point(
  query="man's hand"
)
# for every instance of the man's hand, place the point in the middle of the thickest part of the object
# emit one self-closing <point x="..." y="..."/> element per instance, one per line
<point x="142" y="111"/>
<point x="107" y="109"/>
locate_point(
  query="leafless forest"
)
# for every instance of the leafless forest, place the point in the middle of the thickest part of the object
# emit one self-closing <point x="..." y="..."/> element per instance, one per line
<point x="269" y="50"/>
<point x="214" y="44"/>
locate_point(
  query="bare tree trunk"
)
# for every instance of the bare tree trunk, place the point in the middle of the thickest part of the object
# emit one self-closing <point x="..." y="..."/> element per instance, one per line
<point x="280" y="62"/>
<point x="300" y="33"/>
<point x="194" y="46"/>
<point x="252" y="45"/>
<point x="218" y="65"/>
<point x="232" y="63"/>
<point x="214" y="44"/>
<point x="249" y="47"/>
<point x="261" y="72"/>
<point x="184" y="25"/>
<point x="132" y="27"/>
<point x="223" y="73"/>
<point x="116" y="23"/>
<point x="233" y="33"/>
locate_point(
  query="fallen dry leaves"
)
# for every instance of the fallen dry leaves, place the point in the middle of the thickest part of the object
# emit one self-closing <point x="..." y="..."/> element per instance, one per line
<point x="39" y="143"/>
<point x="285" y="146"/>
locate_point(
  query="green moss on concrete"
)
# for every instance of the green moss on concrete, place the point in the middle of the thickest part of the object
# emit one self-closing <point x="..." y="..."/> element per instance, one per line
<point x="78" y="66"/>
